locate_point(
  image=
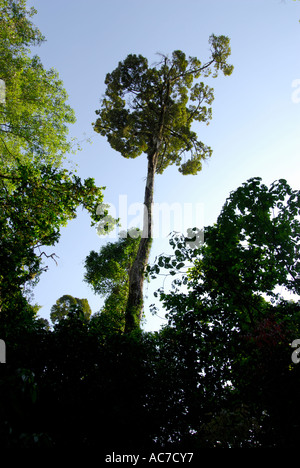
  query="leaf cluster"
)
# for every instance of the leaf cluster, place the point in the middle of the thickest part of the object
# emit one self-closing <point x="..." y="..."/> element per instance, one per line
<point x="107" y="272"/>
<point x="34" y="115"/>
<point x="65" y="306"/>
<point x="248" y="255"/>
<point x="147" y="109"/>
<point x="109" y="268"/>
<point x="34" y="208"/>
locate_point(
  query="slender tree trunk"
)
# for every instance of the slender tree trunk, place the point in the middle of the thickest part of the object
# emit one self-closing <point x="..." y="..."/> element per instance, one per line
<point x="134" y="309"/>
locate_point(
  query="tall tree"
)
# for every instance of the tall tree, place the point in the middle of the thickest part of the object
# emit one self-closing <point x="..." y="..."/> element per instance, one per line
<point x="151" y="110"/>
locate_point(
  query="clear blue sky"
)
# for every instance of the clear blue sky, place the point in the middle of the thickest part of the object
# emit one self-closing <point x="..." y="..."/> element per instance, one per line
<point x="255" y="129"/>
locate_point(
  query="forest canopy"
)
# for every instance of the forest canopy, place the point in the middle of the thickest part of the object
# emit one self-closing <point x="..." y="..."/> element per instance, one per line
<point x="221" y="372"/>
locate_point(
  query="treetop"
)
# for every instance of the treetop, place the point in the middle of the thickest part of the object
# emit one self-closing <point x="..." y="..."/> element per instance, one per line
<point x="148" y="109"/>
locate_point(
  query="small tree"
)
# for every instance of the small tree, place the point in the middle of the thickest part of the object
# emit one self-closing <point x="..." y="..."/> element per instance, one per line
<point x="66" y="304"/>
<point x="151" y="110"/>
<point x="107" y="272"/>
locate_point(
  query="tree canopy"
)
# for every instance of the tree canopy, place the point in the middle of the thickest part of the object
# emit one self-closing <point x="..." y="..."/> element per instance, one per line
<point x="250" y="254"/>
<point x="231" y="323"/>
<point x="148" y="108"/>
<point x="221" y="372"/>
<point x="65" y="305"/>
<point x="35" y="114"/>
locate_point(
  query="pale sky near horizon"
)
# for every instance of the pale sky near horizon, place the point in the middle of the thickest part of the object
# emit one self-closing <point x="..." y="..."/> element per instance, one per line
<point x="254" y="131"/>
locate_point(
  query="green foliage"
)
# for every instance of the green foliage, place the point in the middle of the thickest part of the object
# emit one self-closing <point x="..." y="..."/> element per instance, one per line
<point x="33" y="211"/>
<point x="66" y="304"/>
<point x="37" y="196"/>
<point x="254" y="247"/>
<point x="149" y="108"/>
<point x="229" y="323"/>
<point x="35" y="114"/>
<point x="110" y="267"/>
<point x="251" y="251"/>
<point x="218" y="375"/>
<point x="107" y="272"/>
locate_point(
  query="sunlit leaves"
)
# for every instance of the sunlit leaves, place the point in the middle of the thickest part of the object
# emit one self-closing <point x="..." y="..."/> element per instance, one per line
<point x="66" y="304"/>
<point x="148" y="108"/>
<point x="34" y="117"/>
<point x="151" y="110"/>
<point x="107" y="272"/>
<point x="110" y="266"/>
<point x="220" y="53"/>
